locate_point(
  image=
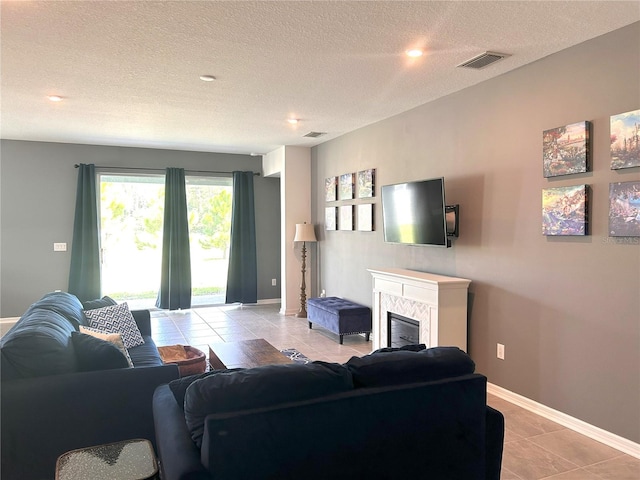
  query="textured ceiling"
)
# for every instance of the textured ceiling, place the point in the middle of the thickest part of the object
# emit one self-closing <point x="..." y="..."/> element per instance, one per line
<point x="129" y="71"/>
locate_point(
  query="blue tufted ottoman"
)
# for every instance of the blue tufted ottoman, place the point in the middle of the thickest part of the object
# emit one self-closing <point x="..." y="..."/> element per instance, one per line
<point x="339" y="316"/>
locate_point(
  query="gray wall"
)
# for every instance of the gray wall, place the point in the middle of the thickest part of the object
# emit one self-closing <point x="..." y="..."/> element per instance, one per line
<point x="567" y="309"/>
<point x="38" y="185"/>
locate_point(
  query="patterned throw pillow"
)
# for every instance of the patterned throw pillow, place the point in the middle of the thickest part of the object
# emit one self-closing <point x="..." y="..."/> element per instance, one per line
<point x="114" y="338"/>
<point x="116" y="319"/>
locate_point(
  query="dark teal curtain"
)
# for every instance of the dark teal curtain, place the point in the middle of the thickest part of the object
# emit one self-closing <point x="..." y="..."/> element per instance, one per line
<point x="175" y="281"/>
<point x="242" y="277"/>
<point x="84" y="274"/>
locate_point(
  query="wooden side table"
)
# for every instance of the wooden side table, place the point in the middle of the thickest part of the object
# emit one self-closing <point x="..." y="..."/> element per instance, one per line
<point x="126" y="460"/>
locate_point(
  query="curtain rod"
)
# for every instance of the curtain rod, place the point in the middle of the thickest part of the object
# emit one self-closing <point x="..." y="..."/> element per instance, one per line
<point x="160" y="170"/>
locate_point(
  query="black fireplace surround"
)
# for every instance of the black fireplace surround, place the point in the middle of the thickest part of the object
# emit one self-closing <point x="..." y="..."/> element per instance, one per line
<point x="402" y="330"/>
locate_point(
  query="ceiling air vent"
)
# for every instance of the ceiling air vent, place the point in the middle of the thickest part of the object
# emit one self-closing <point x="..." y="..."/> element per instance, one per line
<point x="314" y="134"/>
<point x="483" y="60"/>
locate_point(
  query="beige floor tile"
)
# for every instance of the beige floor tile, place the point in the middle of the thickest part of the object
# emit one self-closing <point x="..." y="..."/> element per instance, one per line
<point x="528" y="424"/>
<point x="503" y="405"/>
<point x="506" y="474"/>
<point x="574" y="447"/>
<point x="623" y="467"/>
<point x="578" y="474"/>
<point x="531" y="462"/>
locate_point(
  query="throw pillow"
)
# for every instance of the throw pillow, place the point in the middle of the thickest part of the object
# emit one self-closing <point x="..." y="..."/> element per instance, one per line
<point x="93" y="353"/>
<point x="400" y="367"/>
<point x="260" y="387"/>
<point x="116" y="319"/>
<point x="99" y="303"/>
<point x="114" y="338"/>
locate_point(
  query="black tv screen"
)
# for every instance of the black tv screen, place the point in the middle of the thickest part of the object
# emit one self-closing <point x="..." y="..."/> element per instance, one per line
<point x="414" y="213"/>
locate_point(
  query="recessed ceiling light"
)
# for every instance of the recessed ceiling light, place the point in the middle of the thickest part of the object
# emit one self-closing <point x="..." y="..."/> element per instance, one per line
<point x="414" y="53"/>
<point x="55" y="98"/>
<point x="207" y="78"/>
<point x="293" y="121"/>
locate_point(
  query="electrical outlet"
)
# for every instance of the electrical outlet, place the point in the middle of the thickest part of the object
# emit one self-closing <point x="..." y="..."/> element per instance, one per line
<point x="273" y="282"/>
<point x="500" y="351"/>
<point x="59" y="247"/>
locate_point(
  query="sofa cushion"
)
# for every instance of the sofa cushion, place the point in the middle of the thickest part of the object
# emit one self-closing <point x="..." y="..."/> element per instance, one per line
<point x="39" y="344"/>
<point x="414" y="347"/>
<point x="260" y="387"/>
<point x="146" y="355"/>
<point x="99" y="303"/>
<point x="113" y="338"/>
<point x="400" y="367"/>
<point x="179" y="386"/>
<point x="116" y="319"/>
<point x="64" y="304"/>
<point x="96" y="354"/>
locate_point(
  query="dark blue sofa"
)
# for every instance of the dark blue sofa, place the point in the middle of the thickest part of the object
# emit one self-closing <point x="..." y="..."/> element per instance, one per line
<point x="388" y="415"/>
<point x="48" y="406"/>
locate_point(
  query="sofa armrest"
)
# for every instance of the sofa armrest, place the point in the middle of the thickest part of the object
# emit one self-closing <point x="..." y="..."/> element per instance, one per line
<point x="494" y="432"/>
<point x="143" y="320"/>
<point x="46" y="416"/>
<point x="178" y="455"/>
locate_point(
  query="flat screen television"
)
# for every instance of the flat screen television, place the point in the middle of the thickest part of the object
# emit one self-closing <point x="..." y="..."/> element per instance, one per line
<point x="415" y="213"/>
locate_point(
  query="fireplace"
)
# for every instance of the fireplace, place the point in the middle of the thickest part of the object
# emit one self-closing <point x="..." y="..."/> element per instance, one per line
<point x="434" y="305"/>
<point x="401" y="330"/>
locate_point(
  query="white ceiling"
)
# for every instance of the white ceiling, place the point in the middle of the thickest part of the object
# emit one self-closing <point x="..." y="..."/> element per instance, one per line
<point x="129" y="70"/>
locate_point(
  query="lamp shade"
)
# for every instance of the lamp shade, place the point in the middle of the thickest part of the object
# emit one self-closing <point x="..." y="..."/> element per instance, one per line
<point x="305" y="233"/>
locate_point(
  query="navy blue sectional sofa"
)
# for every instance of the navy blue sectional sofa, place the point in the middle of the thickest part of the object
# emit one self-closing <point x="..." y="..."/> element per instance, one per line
<point x="394" y="414"/>
<point x="49" y="405"/>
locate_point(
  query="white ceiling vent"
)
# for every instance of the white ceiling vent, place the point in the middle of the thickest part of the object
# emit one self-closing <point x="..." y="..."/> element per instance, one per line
<point x="314" y="134"/>
<point x="483" y="60"/>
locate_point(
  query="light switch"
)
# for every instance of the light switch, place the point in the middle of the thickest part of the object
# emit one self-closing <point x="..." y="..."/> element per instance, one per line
<point x="59" y="247"/>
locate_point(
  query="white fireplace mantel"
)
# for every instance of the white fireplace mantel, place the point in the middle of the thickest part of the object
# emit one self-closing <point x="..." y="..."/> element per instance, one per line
<point x="437" y="302"/>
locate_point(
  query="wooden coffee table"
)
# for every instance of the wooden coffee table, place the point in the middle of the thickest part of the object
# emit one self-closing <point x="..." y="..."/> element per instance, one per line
<point x="245" y="354"/>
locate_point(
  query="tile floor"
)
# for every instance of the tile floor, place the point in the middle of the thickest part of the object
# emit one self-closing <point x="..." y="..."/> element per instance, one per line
<point x="534" y="448"/>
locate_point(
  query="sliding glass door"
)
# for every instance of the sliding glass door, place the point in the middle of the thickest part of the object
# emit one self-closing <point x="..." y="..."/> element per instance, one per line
<point x="209" y="206"/>
<point x="131" y="216"/>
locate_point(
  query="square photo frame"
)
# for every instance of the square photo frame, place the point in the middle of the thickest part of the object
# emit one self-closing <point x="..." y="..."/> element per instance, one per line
<point x="624" y="209"/>
<point x="565" y="150"/>
<point x="331" y="189"/>
<point x="565" y="210"/>
<point x="346" y="218"/>
<point x="330" y="218"/>
<point x="365" y="218"/>
<point x="346" y="186"/>
<point x="625" y="140"/>
<point x="367" y="183"/>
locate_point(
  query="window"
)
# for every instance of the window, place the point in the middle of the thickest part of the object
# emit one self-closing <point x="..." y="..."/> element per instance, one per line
<point x="131" y="218"/>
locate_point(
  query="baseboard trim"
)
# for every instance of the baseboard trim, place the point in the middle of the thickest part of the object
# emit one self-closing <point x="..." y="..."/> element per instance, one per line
<point x="596" y="433"/>
<point x="268" y="301"/>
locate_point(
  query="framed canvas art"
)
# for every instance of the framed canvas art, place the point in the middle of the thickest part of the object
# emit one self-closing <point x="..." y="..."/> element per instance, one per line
<point x="565" y="150"/>
<point x="364" y="217"/>
<point x="346" y="217"/>
<point x="564" y="210"/>
<point x="331" y="189"/>
<point x="624" y="209"/>
<point x="625" y="140"/>
<point x="330" y="218"/>
<point x="367" y="183"/>
<point x="346" y="186"/>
